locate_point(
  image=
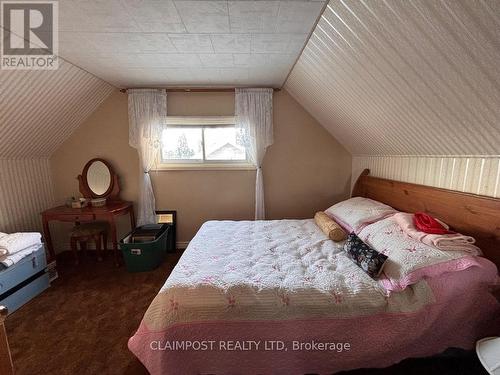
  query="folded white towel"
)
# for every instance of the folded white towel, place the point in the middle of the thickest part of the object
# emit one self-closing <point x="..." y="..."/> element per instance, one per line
<point x="12" y="259"/>
<point x="445" y="242"/>
<point x="12" y="243"/>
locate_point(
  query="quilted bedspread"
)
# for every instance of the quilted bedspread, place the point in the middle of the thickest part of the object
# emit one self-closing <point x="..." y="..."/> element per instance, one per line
<point x="266" y="279"/>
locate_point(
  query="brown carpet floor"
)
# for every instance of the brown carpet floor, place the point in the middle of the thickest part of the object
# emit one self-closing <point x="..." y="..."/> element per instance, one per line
<point x="81" y="325"/>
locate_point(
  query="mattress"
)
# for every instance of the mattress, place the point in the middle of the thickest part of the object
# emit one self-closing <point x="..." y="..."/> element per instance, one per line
<point x="284" y="281"/>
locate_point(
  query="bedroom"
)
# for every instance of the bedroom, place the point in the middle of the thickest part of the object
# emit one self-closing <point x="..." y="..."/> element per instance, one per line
<point x="184" y="187"/>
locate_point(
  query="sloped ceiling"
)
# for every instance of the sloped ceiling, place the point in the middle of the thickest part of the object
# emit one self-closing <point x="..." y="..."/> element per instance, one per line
<point x="39" y="109"/>
<point x="415" y="77"/>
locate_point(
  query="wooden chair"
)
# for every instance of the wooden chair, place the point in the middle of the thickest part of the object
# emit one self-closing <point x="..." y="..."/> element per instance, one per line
<point x="83" y="233"/>
<point x="6" y="366"/>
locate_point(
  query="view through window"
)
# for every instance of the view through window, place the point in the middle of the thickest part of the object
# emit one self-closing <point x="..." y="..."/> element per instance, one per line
<point x="213" y="143"/>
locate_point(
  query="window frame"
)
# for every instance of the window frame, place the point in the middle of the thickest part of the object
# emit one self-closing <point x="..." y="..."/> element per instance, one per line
<point x="202" y="122"/>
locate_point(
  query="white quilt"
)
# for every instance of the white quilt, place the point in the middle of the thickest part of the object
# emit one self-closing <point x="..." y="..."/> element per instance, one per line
<point x="271" y="270"/>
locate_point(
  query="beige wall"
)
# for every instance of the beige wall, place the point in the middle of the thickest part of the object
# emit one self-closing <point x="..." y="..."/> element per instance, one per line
<point x="305" y="170"/>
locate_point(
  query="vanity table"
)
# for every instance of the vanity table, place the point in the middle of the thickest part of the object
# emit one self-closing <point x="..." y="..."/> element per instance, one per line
<point x="97" y="180"/>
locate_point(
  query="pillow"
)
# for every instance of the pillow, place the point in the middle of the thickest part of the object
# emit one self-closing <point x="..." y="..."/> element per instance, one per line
<point x="409" y="259"/>
<point x="355" y="213"/>
<point x="368" y="259"/>
<point x="329" y="227"/>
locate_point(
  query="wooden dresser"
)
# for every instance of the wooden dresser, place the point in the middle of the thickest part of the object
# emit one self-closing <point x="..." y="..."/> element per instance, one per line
<point x="108" y="213"/>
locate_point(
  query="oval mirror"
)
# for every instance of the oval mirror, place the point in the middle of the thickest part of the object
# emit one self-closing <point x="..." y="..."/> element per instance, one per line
<point x="99" y="177"/>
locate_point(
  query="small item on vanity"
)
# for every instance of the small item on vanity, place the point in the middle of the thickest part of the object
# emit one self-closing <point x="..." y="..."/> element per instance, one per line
<point x="98" y="202"/>
<point x="77" y="203"/>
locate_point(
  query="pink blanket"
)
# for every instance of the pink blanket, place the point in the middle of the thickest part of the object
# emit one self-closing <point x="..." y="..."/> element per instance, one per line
<point x="463" y="312"/>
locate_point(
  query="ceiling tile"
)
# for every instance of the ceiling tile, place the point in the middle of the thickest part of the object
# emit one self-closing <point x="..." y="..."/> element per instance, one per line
<point x="297" y="17"/>
<point x="217" y="60"/>
<point x="267" y="60"/>
<point x="118" y="40"/>
<point x="227" y="76"/>
<point x="253" y="16"/>
<point x="248" y="60"/>
<point x="155" y="15"/>
<point x="204" y="16"/>
<point x="95" y="15"/>
<point x="296" y="43"/>
<point x="231" y="43"/>
<point x="192" y="42"/>
<point x="276" y="43"/>
<point x="171" y="60"/>
<point x="105" y="43"/>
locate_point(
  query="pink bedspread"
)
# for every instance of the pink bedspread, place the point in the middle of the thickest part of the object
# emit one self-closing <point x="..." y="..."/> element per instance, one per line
<point x="463" y="312"/>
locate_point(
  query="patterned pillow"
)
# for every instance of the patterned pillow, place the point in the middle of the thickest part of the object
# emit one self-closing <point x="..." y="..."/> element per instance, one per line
<point x="368" y="259"/>
<point x="355" y="213"/>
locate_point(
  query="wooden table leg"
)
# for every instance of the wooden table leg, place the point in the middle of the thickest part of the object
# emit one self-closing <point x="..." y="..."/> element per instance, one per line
<point x="48" y="240"/>
<point x="6" y="366"/>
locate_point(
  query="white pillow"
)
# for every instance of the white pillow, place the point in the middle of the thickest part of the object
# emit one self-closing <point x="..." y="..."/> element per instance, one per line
<point x="355" y="213"/>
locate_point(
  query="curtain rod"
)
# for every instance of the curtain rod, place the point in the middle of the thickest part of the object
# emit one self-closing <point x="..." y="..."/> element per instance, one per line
<point x="198" y="89"/>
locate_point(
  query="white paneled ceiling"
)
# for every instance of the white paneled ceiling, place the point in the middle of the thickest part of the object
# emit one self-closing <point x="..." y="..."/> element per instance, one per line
<point x="405" y="77"/>
<point x="39" y="109"/>
<point x="167" y="43"/>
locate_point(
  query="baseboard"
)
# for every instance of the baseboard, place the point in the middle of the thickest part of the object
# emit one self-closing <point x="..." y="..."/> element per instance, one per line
<point x="182" y="245"/>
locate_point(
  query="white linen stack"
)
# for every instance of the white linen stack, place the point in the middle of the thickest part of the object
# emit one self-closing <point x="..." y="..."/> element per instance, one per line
<point x="16" y="246"/>
<point x="445" y="242"/>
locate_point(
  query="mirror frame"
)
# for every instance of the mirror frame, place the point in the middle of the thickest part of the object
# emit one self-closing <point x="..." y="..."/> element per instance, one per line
<point x="114" y="188"/>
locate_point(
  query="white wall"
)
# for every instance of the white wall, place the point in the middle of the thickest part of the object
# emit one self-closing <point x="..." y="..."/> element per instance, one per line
<point x="25" y="191"/>
<point x="474" y="174"/>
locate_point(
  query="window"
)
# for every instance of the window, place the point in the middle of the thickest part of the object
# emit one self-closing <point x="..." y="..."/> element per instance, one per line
<point x="206" y="142"/>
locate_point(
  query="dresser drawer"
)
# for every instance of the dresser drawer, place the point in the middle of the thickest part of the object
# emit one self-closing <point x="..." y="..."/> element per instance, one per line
<point x="76" y="217"/>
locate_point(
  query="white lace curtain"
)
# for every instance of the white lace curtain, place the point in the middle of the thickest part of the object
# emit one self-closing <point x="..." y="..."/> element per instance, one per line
<point x="254" y="113"/>
<point x="147" y="113"/>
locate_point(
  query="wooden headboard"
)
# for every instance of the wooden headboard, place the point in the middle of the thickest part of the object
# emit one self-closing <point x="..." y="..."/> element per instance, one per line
<point x="475" y="215"/>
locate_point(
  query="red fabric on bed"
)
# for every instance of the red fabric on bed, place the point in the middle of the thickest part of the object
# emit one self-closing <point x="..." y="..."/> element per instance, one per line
<point x="428" y="224"/>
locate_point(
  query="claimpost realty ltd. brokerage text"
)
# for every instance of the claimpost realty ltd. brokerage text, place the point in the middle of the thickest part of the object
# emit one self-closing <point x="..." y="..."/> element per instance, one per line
<point x="248" y="345"/>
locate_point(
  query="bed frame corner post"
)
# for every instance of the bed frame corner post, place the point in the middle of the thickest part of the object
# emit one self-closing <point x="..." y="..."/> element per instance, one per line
<point x="358" y="189"/>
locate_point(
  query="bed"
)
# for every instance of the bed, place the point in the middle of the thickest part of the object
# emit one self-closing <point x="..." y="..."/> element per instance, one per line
<point x="280" y="297"/>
